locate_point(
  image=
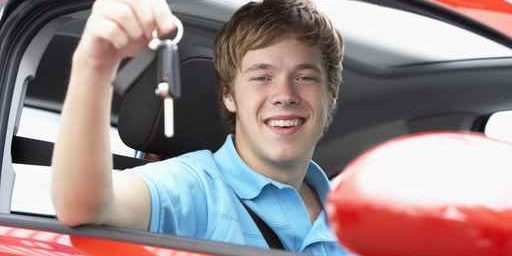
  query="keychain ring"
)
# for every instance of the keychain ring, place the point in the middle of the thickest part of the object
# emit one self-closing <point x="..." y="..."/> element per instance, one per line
<point x="156" y="41"/>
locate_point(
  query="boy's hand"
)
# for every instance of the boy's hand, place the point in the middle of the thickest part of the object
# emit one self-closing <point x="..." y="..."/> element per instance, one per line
<point x="120" y="28"/>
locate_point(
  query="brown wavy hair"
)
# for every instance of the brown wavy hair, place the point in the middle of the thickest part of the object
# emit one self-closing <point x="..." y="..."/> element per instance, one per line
<point x="260" y="24"/>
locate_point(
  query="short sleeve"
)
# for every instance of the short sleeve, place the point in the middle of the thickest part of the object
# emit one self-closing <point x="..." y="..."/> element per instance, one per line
<point x="178" y="197"/>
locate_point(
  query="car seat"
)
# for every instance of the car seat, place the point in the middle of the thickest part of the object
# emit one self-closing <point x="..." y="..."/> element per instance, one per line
<point x="197" y="120"/>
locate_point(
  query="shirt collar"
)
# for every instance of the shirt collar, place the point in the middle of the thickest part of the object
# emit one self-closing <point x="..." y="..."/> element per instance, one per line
<point x="316" y="178"/>
<point x="248" y="183"/>
<point x="321" y="232"/>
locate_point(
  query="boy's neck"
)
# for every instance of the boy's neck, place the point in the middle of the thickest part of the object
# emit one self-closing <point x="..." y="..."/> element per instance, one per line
<point x="286" y="172"/>
<point x="291" y="176"/>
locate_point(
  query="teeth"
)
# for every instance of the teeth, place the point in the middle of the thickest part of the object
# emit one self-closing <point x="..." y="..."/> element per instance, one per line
<point x="284" y="123"/>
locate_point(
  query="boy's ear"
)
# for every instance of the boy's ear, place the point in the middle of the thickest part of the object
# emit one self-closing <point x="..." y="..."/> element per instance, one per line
<point x="229" y="102"/>
<point x="334" y="96"/>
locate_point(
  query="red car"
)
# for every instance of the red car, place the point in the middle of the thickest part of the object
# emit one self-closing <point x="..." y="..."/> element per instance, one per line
<point x="494" y="13"/>
<point x="410" y="66"/>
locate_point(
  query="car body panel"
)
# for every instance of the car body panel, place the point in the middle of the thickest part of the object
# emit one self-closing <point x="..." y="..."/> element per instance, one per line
<point x="494" y="13"/>
<point x="21" y="241"/>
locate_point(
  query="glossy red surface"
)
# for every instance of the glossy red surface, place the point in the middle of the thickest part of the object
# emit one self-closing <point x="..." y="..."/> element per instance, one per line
<point x="419" y="216"/>
<point x="17" y="241"/>
<point x="494" y="13"/>
<point x="490" y="5"/>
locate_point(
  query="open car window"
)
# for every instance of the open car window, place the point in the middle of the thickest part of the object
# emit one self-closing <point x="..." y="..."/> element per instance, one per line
<point x="380" y="44"/>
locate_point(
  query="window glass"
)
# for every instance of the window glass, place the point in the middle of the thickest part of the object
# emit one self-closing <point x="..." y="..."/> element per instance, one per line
<point x="43" y="125"/>
<point x="499" y="126"/>
<point x="387" y="37"/>
<point x="31" y="192"/>
<point x="40" y="118"/>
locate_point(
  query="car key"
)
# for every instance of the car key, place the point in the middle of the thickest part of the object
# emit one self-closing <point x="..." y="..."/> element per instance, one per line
<point x="169" y="84"/>
<point x="168" y="74"/>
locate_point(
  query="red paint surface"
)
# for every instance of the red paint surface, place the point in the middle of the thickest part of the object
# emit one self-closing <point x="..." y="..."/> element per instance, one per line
<point x="17" y="241"/>
<point x="494" y="13"/>
<point x="385" y="226"/>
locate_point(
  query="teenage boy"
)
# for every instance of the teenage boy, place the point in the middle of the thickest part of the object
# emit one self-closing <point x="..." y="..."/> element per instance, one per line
<point x="279" y="68"/>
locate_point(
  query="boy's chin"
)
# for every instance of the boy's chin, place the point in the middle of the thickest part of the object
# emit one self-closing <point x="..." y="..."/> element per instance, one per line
<point x="287" y="156"/>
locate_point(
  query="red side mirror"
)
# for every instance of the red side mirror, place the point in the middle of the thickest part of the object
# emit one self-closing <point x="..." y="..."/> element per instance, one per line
<point x="427" y="194"/>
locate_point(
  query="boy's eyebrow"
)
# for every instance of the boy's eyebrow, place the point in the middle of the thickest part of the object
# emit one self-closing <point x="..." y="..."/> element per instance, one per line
<point x="309" y="66"/>
<point x="265" y="66"/>
<point x="258" y="66"/>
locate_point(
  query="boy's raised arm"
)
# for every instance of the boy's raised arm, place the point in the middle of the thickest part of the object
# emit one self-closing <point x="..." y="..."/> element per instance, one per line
<point x="83" y="187"/>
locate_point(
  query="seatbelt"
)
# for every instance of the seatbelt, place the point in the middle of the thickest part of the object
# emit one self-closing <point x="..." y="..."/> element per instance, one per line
<point x="270" y="236"/>
<point x="38" y="152"/>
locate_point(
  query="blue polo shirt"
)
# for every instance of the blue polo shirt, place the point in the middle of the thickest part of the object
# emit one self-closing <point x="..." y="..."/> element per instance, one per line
<point x="199" y="195"/>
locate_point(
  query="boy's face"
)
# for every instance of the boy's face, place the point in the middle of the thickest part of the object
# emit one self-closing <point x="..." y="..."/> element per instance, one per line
<point x="281" y="102"/>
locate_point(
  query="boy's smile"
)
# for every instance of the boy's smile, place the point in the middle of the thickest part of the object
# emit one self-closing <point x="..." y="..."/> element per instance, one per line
<point x="281" y="101"/>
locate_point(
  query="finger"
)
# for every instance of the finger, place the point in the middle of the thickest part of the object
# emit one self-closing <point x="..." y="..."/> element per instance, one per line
<point x="109" y="31"/>
<point x="124" y="16"/>
<point x="144" y="14"/>
<point x="163" y="19"/>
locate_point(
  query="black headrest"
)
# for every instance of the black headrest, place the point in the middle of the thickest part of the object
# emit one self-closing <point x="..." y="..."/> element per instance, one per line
<point x="197" y="121"/>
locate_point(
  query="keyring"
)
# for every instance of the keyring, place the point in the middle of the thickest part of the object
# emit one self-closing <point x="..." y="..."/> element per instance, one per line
<point x="156" y="41"/>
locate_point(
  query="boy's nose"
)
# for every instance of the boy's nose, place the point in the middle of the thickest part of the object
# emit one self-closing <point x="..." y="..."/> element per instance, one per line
<point x="285" y="93"/>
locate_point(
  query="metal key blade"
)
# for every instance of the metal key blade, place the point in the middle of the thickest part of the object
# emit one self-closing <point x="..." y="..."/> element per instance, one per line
<point x="168" y="117"/>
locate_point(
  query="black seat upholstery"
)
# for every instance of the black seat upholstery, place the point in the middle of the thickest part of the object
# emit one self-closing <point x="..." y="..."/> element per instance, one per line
<point x="198" y="124"/>
<point x="197" y="121"/>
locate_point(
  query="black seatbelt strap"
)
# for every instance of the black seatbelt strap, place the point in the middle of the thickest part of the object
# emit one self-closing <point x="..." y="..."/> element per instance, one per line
<point x="270" y="236"/>
<point x="38" y="152"/>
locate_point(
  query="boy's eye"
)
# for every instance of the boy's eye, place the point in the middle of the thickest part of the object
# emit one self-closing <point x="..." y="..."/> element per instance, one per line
<point x="260" y="78"/>
<point x="307" y="78"/>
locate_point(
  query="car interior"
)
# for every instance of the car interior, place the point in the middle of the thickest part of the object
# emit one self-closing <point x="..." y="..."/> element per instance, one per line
<point x="404" y="72"/>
